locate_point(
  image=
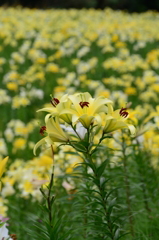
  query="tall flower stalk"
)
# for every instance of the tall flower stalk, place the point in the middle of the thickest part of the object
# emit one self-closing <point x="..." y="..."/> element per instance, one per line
<point x="127" y="189"/>
<point x="49" y="197"/>
<point x="83" y="123"/>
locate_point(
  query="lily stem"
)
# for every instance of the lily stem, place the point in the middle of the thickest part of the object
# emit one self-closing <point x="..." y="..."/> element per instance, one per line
<point x="127" y="191"/>
<point x="49" y="199"/>
<point x="74" y="128"/>
<point x="102" y="195"/>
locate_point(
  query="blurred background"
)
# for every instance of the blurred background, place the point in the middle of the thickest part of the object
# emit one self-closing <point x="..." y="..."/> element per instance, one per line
<point x="128" y="5"/>
<point x="63" y="50"/>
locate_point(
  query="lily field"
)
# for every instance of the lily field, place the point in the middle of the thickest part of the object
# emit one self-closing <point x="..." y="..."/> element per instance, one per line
<point x="94" y="76"/>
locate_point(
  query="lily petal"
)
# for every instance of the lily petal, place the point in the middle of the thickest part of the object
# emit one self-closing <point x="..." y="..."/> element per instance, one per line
<point x="38" y="144"/>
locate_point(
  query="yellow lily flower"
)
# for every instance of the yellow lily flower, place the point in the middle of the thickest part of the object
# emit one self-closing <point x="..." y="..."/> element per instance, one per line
<point x="57" y="107"/>
<point x="153" y="114"/>
<point x="116" y="120"/>
<point x="3" y="163"/>
<point x="84" y="108"/>
<point x="54" y="133"/>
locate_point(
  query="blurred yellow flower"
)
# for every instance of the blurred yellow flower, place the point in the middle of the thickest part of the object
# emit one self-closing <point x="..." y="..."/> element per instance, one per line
<point x="3" y="207"/>
<point x="130" y="90"/>
<point x="41" y="60"/>
<point x="14" y="76"/>
<point x="52" y="67"/>
<point x="19" y="101"/>
<point x="58" y="54"/>
<point x="19" y="143"/>
<point x="3" y="163"/>
<point x="28" y="186"/>
<point x="82" y="77"/>
<point x="12" y="86"/>
<point x="75" y="61"/>
<point x="45" y="161"/>
<point x="120" y="44"/>
<point x="59" y="89"/>
<point x="115" y="38"/>
<point x="105" y="93"/>
<point x="155" y="87"/>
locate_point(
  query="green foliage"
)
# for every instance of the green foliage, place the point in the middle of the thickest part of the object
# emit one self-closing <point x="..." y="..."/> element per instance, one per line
<point x="115" y="194"/>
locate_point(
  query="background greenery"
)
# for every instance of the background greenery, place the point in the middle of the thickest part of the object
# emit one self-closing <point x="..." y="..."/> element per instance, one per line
<point x="129" y="43"/>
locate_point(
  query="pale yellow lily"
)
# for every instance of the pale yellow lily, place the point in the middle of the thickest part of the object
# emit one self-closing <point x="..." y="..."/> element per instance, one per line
<point x="84" y="108"/>
<point x="57" y="107"/>
<point x="54" y="133"/>
<point x="116" y="120"/>
<point x="3" y="163"/>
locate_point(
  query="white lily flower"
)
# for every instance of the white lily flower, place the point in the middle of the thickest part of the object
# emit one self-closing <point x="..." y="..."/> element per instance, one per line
<point x="4" y="232"/>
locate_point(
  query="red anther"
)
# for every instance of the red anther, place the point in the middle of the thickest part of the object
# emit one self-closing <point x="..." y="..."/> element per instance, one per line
<point x="13" y="236"/>
<point x="123" y="112"/>
<point x="54" y="102"/>
<point x="42" y="130"/>
<point x="83" y="104"/>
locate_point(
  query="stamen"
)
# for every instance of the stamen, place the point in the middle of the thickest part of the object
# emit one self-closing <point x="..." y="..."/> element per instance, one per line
<point x="123" y="112"/>
<point x="84" y="104"/>
<point x="54" y="102"/>
<point x="13" y="236"/>
<point x="42" y="130"/>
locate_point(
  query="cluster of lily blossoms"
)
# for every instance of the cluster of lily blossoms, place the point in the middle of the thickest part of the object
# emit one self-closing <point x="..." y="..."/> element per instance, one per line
<point x="74" y="115"/>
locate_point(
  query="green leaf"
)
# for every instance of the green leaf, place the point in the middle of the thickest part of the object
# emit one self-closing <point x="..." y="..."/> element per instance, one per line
<point x="98" y="148"/>
<point x="103" y="181"/>
<point x="116" y="235"/>
<point x="72" y="153"/>
<point x="101" y="168"/>
<point x="111" y="205"/>
<point x="79" y="147"/>
<point x="104" y="137"/>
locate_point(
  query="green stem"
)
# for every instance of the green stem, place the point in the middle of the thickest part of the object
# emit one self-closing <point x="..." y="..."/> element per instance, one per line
<point x="127" y="191"/>
<point x="142" y="179"/>
<point x="49" y="199"/>
<point x="102" y="195"/>
<point x="88" y="131"/>
<point x="74" y="128"/>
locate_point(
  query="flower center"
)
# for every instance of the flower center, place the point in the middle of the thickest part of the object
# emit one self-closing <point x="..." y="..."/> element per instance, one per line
<point x="42" y="130"/>
<point x="123" y="112"/>
<point x="54" y="102"/>
<point x="84" y="104"/>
